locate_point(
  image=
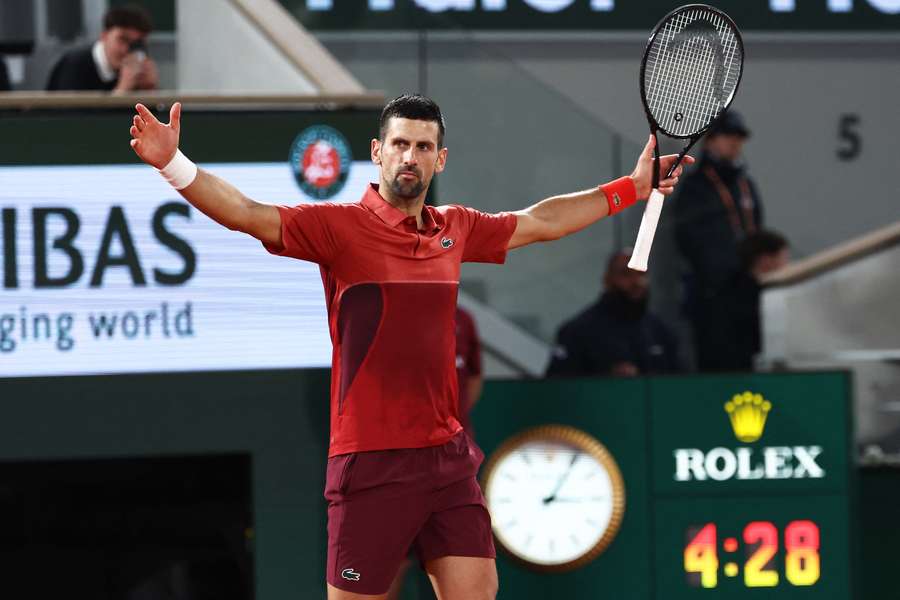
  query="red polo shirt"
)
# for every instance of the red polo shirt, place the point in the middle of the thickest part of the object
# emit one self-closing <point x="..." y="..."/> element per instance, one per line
<point x="391" y="294"/>
<point x="468" y="364"/>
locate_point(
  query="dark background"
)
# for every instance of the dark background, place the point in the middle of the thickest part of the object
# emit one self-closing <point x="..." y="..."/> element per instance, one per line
<point x="627" y="15"/>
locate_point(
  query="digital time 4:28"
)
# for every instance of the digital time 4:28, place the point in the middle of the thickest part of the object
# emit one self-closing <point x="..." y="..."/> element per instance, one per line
<point x="801" y="560"/>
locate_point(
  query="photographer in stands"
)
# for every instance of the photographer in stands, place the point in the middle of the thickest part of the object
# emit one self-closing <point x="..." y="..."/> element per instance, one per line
<point x="117" y="62"/>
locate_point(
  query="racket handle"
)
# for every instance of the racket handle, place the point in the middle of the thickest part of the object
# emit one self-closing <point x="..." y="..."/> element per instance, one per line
<point x="645" y="235"/>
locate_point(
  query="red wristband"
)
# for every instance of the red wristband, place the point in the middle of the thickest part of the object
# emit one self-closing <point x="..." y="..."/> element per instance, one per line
<point x="620" y="194"/>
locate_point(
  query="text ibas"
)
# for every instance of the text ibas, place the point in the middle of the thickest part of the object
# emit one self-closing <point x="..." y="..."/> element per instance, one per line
<point x="63" y="248"/>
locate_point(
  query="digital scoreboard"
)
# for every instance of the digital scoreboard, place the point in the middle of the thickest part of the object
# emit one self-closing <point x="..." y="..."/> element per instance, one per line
<point x="750" y="488"/>
<point x="734" y="486"/>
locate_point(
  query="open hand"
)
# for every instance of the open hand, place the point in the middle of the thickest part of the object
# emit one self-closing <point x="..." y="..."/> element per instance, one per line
<point x="643" y="171"/>
<point x="155" y="142"/>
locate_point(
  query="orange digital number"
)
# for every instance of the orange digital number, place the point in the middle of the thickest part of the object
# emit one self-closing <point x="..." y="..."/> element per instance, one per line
<point x="700" y="556"/>
<point x="801" y="541"/>
<point x="755" y="572"/>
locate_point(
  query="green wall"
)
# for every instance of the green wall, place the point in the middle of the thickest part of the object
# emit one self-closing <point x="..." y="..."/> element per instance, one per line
<point x="280" y="419"/>
<point x="87" y="137"/>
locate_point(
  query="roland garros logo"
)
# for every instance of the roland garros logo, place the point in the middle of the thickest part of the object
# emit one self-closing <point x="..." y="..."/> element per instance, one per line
<point x="321" y="159"/>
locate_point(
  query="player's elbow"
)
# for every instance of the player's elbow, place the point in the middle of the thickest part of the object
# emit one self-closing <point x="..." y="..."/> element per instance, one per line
<point x="551" y="231"/>
<point x="532" y="229"/>
<point x="236" y="222"/>
<point x="546" y="230"/>
<point x="245" y="218"/>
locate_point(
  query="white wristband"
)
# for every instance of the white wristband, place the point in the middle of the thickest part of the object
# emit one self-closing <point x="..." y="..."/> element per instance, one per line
<point x="180" y="172"/>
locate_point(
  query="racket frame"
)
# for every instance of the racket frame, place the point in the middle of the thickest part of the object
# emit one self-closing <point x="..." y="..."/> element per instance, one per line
<point x="651" y="120"/>
<point x="640" y="263"/>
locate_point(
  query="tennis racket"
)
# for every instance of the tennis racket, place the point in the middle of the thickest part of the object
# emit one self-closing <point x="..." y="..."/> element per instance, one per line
<point x="689" y="75"/>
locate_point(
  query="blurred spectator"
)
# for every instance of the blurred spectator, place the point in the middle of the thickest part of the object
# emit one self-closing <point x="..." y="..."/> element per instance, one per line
<point x="468" y="367"/>
<point x="716" y="207"/>
<point x="5" y="86"/>
<point x="734" y="337"/>
<point x="616" y="335"/>
<point x="117" y="62"/>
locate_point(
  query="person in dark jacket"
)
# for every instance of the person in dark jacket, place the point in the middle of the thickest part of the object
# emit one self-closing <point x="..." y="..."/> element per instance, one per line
<point x="616" y="335"/>
<point x="717" y="206"/>
<point x="734" y="338"/>
<point x="116" y="62"/>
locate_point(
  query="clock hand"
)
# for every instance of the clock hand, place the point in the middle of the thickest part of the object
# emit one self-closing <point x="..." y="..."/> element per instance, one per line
<point x="580" y="500"/>
<point x="562" y="480"/>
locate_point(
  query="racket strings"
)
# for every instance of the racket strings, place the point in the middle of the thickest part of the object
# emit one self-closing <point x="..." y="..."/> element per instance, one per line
<point x="690" y="60"/>
<point x="690" y="79"/>
<point x="688" y="67"/>
<point x="668" y="71"/>
<point x="692" y="70"/>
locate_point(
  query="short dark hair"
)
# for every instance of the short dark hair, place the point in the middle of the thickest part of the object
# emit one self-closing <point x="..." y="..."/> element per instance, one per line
<point x="412" y="106"/>
<point x="129" y="17"/>
<point x="761" y="243"/>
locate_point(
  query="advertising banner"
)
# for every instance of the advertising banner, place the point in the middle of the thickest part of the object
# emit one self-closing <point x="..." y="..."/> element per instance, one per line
<point x="106" y="269"/>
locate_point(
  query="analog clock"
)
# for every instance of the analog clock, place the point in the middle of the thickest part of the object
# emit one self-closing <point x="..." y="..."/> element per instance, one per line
<point x="556" y="497"/>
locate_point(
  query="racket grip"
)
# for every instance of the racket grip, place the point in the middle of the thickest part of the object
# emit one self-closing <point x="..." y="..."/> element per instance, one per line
<point x="645" y="235"/>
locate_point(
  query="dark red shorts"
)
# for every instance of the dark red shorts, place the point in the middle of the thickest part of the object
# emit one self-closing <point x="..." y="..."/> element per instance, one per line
<point x="381" y="504"/>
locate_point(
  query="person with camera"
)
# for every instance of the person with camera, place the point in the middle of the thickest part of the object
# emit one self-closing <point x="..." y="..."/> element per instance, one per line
<point x="117" y="62"/>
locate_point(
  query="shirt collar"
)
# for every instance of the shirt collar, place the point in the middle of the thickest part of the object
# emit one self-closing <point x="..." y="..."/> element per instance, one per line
<point x="106" y="72"/>
<point x="432" y="221"/>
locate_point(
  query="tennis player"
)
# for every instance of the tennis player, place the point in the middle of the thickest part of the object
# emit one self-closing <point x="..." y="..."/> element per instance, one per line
<point x="401" y="472"/>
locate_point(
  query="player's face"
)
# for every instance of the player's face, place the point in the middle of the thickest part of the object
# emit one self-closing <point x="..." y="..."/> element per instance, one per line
<point x="116" y="41"/>
<point x="409" y="157"/>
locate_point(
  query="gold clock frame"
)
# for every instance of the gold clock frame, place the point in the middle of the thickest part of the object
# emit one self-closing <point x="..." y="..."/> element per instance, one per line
<point x="589" y="445"/>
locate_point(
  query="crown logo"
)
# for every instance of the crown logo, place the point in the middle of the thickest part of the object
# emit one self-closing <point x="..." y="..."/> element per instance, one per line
<point x="747" y="413"/>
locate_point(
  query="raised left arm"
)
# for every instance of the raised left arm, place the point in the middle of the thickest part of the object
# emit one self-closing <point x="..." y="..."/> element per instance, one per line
<point x="559" y="216"/>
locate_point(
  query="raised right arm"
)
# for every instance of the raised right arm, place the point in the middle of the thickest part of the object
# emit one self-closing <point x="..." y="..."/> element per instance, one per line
<point x="156" y="144"/>
<point x="226" y="205"/>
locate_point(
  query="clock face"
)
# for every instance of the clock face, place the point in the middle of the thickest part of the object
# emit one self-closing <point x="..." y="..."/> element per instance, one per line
<point x="554" y="502"/>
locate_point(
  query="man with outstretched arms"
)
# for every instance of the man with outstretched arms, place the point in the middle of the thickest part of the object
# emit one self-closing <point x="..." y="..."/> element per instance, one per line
<point x="401" y="472"/>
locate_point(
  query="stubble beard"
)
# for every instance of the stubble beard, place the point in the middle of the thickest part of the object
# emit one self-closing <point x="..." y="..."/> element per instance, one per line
<point x="407" y="190"/>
